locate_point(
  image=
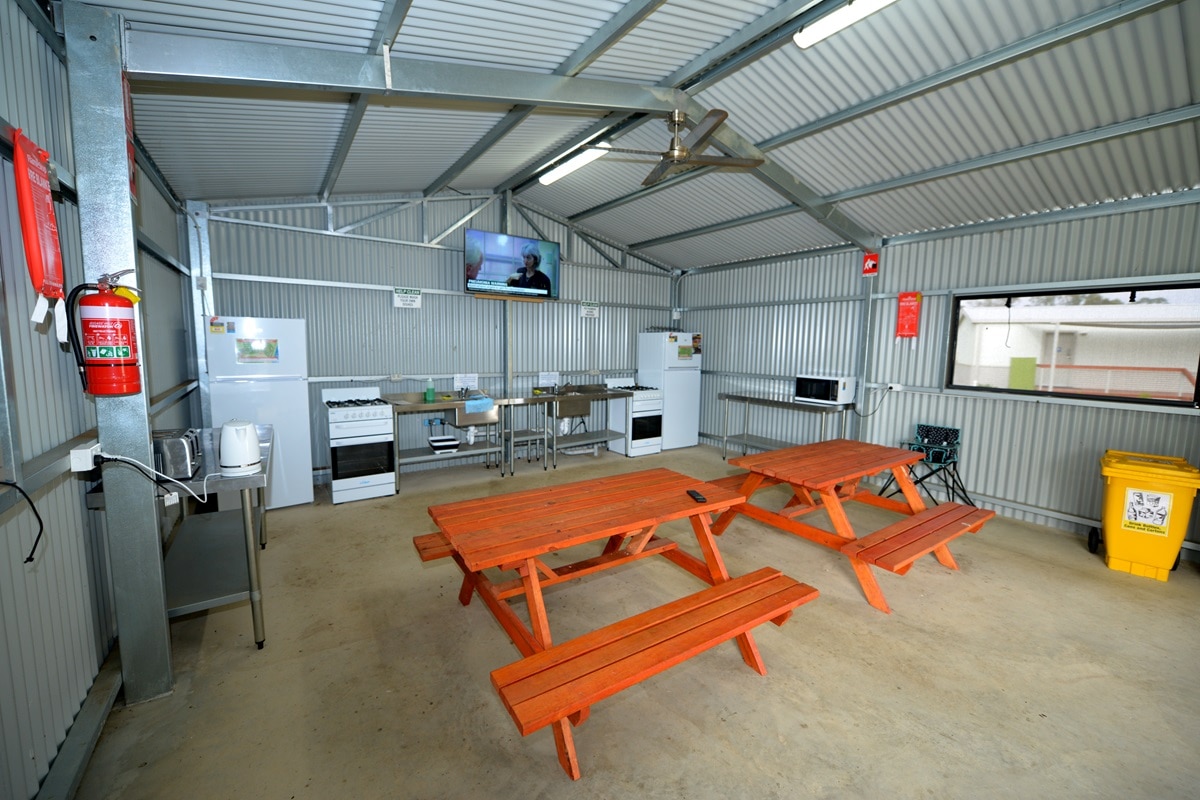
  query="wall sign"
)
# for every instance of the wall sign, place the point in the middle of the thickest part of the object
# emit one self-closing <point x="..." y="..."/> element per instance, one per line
<point x="870" y="267"/>
<point x="406" y="298"/>
<point x="589" y="310"/>
<point x="908" y="315"/>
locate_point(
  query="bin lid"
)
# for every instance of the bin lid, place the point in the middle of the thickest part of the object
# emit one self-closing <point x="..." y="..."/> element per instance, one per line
<point x="1117" y="463"/>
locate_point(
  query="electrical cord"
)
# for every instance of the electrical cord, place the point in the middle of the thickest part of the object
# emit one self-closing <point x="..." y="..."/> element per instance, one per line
<point x="150" y="473"/>
<point x="41" y="525"/>
<point x="873" y="411"/>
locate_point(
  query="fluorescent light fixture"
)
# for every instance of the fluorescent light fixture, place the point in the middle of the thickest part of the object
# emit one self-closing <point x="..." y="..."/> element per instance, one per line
<point x="834" y="21"/>
<point x="586" y="156"/>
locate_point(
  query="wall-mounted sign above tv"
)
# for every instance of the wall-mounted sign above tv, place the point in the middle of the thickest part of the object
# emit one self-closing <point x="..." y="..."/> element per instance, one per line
<point x="501" y="264"/>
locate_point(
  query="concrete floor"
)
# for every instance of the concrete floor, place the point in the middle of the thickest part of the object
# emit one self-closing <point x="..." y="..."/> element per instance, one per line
<point x="1033" y="672"/>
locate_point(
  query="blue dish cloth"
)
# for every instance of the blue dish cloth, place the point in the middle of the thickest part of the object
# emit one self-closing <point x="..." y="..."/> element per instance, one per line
<point x="477" y="404"/>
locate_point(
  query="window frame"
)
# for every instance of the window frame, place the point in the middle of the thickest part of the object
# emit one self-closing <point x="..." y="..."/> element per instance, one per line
<point x="1055" y="290"/>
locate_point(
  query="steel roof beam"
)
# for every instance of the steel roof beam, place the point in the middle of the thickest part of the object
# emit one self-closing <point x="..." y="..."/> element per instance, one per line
<point x="761" y="216"/>
<point x="1078" y="28"/>
<point x="785" y="184"/>
<point x="596" y="45"/>
<point x="350" y="123"/>
<point x="1105" y="209"/>
<point x="187" y="59"/>
<point x="769" y="32"/>
<point x="1160" y="120"/>
<point x="610" y="125"/>
<point x="642" y="193"/>
<point x="1084" y="26"/>
<point x="391" y="17"/>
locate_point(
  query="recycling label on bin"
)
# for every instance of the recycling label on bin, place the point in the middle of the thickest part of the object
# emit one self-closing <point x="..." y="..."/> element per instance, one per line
<point x="1147" y="512"/>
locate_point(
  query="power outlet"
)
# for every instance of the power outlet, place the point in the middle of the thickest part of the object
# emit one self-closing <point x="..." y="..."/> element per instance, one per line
<point x="83" y="459"/>
<point x="396" y="377"/>
<point x="895" y="387"/>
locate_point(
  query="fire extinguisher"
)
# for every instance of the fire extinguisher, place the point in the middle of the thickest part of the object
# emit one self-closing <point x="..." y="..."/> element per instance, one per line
<point x="105" y="345"/>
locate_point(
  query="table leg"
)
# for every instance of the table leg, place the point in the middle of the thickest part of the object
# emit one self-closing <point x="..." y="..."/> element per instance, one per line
<point x="837" y="514"/>
<point x="725" y="433"/>
<point x="752" y="484"/>
<point x="256" y="611"/>
<point x="908" y="488"/>
<point x="261" y="518"/>
<point x="564" y="742"/>
<point x="538" y="622"/>
<point x="719" y="574"/>
<point x="870" y="587"/>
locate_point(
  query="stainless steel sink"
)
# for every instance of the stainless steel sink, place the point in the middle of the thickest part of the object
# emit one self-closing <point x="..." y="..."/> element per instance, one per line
<point x="461" y="419"/>
<point x="571" y="405"/>
<point x="586" y="388"/>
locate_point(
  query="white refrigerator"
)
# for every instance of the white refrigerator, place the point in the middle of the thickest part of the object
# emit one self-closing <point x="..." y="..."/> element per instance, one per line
<point x="671" y="361"/>
<point x="258" y="371"/>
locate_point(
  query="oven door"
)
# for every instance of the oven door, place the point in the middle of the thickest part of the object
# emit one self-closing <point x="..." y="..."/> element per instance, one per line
<point x="645" y="427"/>
<point x="361" y="456"/>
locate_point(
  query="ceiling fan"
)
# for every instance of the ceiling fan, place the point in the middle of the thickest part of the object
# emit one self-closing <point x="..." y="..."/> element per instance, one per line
<point x="685" y="152"/>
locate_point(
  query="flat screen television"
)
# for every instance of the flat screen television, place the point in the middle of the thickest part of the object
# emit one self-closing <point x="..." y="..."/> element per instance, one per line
<point x="512" y="266"/>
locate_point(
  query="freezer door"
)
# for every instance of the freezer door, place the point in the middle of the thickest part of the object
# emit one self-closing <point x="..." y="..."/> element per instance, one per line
<point x="284" y="404"/>
<point x="669" y="351"/>
<point x="256" y="347"/>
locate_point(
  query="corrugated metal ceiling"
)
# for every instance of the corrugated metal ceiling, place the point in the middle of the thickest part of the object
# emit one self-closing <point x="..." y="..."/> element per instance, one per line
<point x="939" y="89"/>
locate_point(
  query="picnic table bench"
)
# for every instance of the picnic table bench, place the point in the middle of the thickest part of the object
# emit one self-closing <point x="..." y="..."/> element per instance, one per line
<point x="564" y="681"/>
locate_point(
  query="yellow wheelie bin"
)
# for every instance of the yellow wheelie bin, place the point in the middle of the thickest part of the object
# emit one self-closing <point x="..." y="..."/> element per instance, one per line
<point x="1147" y="506"/>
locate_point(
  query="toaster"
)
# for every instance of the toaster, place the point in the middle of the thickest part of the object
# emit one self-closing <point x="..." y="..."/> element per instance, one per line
<point x="177" y="452"/>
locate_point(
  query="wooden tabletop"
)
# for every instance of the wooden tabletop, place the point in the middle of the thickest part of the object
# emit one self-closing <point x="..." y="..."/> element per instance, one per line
<point x="504" y="529"/>
<point x="821" y="465"/>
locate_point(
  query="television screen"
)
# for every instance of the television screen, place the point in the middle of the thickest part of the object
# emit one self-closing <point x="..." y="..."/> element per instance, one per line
<point x="501" y="264"/>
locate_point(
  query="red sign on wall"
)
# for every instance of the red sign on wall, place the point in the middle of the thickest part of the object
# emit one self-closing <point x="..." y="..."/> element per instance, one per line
<point x="908" y="315"/>
<point x="870" y="265"/>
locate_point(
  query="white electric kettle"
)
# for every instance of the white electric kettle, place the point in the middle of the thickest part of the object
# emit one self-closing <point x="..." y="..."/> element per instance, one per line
<point x="239" y="449"/>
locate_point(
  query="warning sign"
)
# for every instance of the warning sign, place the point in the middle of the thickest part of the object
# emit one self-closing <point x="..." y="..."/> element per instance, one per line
<point x="1147" y="512"/>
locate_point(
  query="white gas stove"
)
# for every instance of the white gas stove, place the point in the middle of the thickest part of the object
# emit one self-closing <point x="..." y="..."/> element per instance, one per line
<point x="361" y="447"/>
<point x="638" y="417"/>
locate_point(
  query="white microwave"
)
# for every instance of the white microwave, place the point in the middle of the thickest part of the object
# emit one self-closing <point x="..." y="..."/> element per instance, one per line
<point x="819" y="389"/>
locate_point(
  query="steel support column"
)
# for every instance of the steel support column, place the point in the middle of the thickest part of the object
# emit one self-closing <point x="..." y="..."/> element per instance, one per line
<point x="93" y="37"/>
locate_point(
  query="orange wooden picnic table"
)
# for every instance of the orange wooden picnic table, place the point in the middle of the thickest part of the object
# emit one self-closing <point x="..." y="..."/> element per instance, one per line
<point x="514" y="531"/>
<point x="827" y="475"/>
<point x="557" y="684"/>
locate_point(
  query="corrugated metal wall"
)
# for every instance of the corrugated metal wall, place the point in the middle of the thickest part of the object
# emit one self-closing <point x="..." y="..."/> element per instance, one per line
<point x="1036" y="460"/>
<point x="55" y="621"/>
<point x="355" y="332"/>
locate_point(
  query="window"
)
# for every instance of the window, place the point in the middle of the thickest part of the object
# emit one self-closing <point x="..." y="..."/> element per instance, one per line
<point x="1136" y="345"/>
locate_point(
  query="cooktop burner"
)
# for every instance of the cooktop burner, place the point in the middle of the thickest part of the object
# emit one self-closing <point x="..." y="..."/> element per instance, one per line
<point x="637" y="387"/>
<point x="363" y="401"/>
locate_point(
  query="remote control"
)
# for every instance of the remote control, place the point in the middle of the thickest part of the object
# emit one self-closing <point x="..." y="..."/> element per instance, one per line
<point x="699" y="498"/>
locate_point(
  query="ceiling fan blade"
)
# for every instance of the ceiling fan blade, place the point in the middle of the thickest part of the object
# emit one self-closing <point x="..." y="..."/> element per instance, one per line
<point x="658" y="173"/>
<point x="725" y="161"/>
<point x="704" y="128"/>
<point x="654" y="153"/>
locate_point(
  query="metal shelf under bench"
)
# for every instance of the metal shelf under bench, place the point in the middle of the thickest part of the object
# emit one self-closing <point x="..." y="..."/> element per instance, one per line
<point x="748" y="440"/>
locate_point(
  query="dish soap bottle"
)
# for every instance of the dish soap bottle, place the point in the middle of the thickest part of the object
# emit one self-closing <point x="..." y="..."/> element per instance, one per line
<point x="429" y="390"/>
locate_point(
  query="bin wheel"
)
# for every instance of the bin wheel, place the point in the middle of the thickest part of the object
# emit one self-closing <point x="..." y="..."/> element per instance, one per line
<point x="1177" y="557"/>
<point x="1093" y="540"/>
